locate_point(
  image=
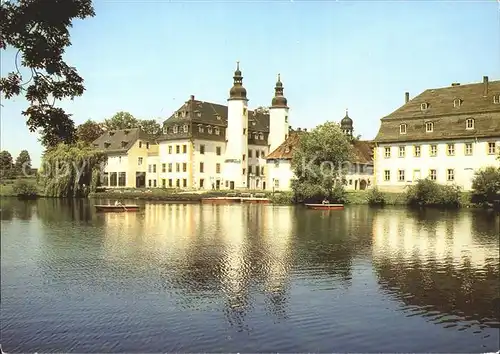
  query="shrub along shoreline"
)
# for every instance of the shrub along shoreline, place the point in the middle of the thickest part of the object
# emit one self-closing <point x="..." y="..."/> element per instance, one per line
<point x="426" y="193"/>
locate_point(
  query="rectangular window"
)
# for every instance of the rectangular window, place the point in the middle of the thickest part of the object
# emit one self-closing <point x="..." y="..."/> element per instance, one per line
<point x="177" y="149"/>
<point x="401" y="175"/>
<point x="450" y="174"/>
<point x="170" y="149"/>
<point x="105" y="180"/>
<point x="149" y="168"/>
<point x="184" y="183"/>
<point x="154" y="168"/>
<point x="113" y="181"/>
<point x="139" y="161"/>
<point x="257" y="153"/>
<point x="244" y="171"/>
<point x="387" y="175"/>
<point x="217" y="168"/>
<point x="202" y="149"/>
<point x="249" y="154"/>
<point x="218" y="151"/>
<point x="468" y="149"/>
<point x="202" y="182"/>
<point x="433" y="175"/>
<point x="184" y="167"/>
<point x="491" y="148"/>
<point x="140" y="144"/>
<point x="433" y="151"/>
<point x="243" y="157"/>
<point x="147" y="145"/>
<point x="122" y="176"/>
<point x="154" y="183"/>
<point x="170" y="167"/>
<point x="417" y="150"/>
<point x="402" y="151"/>
<point x="201" y="167"/>
<point x="163" y="183"/>
<point x="170" y="184"/>
<point x="262" y="171"/>
<point x="178" y="167"/>
<point x="450" y="149"/>
<point x="149" y="183"/>
<point x="184" y="149"/>
<point x="387" y="152"/>
<point x="178" y="183"/>
<point x="163" y="167"/>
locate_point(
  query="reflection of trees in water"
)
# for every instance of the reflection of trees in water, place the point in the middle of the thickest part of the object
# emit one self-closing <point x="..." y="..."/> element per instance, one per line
<point x="56" y="210"/>
<point x="331" y="239"/>
<point x="468" y="293"/>
<point x="18" y="209"/>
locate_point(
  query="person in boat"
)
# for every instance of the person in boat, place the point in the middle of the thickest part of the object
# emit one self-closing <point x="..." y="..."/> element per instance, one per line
<point x="325" y="201"/>
<point x="117" y="203"/>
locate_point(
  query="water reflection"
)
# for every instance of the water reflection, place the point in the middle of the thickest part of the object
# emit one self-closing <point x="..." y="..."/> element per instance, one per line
<point x="440" y="265"/>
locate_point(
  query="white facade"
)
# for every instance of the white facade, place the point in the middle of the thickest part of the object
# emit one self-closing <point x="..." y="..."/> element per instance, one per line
<point x="452" y="162"/>
<point x="235" y="166"/>
<point x="278" y="127"/>
<point x="280" y="175"/>
<point x="257" y="169"/>
<point x="175" y="159"/>
<point x="208" y="162"/>
<point x="153" y="172"/>
<point x="116" y="170"/>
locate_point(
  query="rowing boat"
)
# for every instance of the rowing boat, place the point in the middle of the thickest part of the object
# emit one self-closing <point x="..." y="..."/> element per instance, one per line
<point x="117" y="208"/>
<point x="325" y="206"/>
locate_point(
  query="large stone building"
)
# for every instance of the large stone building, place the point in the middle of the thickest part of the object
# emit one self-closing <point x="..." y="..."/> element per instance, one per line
<point x="444" y="134"/>
<point x="206" y="145"/>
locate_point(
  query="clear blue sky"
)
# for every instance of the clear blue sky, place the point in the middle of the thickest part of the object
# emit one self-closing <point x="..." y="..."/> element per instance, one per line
<point x="148" y="57"/>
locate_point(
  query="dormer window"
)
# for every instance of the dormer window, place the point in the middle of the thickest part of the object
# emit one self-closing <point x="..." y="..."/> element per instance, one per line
<point x="402" y="129"/>
<point x="165" y="130"/>
<point x="469" y="123"/>
<point x="200" y="128"/>
<point x="496" y="99"/>
<point x="218" y="117"/>
<point x="126" y="131"/>
<point x="424" y="106"/>
<point x="209" y="129"/>
<point x="457" y="102"/>
<point x="176" y="129"/>
<point x="183" y="114"/>
<point x="429" y="127"/>
<point x="111" y="133"/>
<point x="261" y="136"/>
<point x="176" y="114"/>
<point x="198" y="114"/>
<point x="107" y="144"/>
<point x="254" y="123"/>
<point x="287" y="149"/>
<point x="124" y="143"/>
<point x="185" y="128"/>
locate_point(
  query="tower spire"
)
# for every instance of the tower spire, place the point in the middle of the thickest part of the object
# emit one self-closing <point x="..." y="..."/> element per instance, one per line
<point x="237" y="92"/>
<point x="279" y="100"/>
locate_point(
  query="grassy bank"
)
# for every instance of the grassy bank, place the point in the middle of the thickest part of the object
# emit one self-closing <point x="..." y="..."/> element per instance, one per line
<point x="7" y="186"/>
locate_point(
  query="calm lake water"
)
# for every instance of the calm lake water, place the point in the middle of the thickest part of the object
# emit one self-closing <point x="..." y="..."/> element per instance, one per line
<point x="248" y="278"/>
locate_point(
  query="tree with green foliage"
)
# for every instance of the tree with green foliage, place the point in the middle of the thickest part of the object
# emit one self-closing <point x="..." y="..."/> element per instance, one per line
<point x="39" y="32"/>
<point x="319" y="164"/>
<point x="486" y="186"/>
<point x="23" y="163"/>
<point x="151" y="127"/>
<point x="7" y="170"/>
<point x="429" y="193"/>
<point x="89" y="131"/>
<point x="121" y="120"/>
<point x="71" y="170"/>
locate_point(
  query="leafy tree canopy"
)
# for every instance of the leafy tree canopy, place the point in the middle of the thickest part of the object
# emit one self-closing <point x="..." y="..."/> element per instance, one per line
<point x="23" y="163"/>
<point x="39" y="32"/>
<point x="320" y="160"/>
<point x="121" y="120"/>
<point x="71" y="170"/>
<point x="151" y="127"/>
<point x="89" y="131"/>
<point x="6" y="165"/>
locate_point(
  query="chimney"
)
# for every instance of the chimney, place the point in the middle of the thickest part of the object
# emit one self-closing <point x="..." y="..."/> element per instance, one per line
<point x="455" y="84"/>
<point x="192" y="97"/>
<point x="407" y="97"/>
<point x="485" y="82"/>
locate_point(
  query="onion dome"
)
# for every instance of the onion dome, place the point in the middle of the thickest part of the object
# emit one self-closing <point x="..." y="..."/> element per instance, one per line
<point x="237" y="92"/>
<point x="279" y="101"/>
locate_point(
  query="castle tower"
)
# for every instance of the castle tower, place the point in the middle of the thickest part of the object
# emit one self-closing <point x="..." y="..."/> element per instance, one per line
<point x="236" y="160"/>
<point x="278" y="117"/>
<point x="346" y="125"/>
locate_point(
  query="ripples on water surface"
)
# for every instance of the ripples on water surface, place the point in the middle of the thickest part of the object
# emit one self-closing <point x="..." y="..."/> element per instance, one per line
<point x="247" y="278"/>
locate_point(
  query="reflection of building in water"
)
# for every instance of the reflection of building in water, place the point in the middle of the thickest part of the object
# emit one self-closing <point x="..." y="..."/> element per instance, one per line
<point x="398" y="232"/>
<point x="277" y="235"/>
<point x="235" y="265"/>
<point x="439" y="264"/>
